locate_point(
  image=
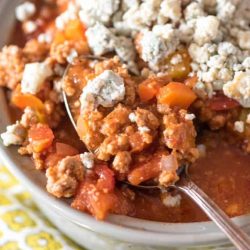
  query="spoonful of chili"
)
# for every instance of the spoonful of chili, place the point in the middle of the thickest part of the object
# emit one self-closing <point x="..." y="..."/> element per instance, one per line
<point x="235" y="234"/>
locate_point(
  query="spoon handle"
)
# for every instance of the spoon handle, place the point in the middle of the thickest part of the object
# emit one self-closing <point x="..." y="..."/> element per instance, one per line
<point x="235" y="234"/>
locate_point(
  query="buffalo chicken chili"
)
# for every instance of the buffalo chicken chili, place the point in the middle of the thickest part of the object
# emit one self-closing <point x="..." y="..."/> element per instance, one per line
<point x="168" y="84"/>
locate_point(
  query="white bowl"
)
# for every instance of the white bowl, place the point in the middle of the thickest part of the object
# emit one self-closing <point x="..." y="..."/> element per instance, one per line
<point x="117" y="232"/>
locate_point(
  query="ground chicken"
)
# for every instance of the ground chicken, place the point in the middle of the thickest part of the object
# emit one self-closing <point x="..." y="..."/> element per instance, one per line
<point x="12" y="63"/>
<point x="63" y="178"/>
<point x="115" y="120"/>
<point x="179" y="134"/>
<point x="91" y="135"/>
<point x="215" y="119"/>
<point x="122" y="162"/>
<point x="62" y="52"/>
<point x="112" y="145"/>
<point x="35" y="51"/>
<point x="145" y="118"/>
<point x="29" y="117"/>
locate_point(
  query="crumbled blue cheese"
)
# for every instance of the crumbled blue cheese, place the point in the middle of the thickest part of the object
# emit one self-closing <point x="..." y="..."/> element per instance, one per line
<point x="24" y="11"/>
<point x="98" y="10"/>
<point x="239" y="88"/>
<point x="171" y="201"/>
<point x="226" y="49"/>
<point x="225" y="10"/>
<point x="216" y="32"/>
<point x="132" y="117"/>
<point x="34" y="76"/>
<point x="193" y="10"/>
<point x="206" y="30"/>
<point x="87" y="160"/>
<point x="106" y="90"/>
<point x="170" y="9"/>
<point x="154" y="48"/>
<point x="176" y="59"/>
<point x="141" y="16"/>
<point x="189" y="117"/>
<point x="70" y="14"/>
<point x="124" y="48"/>
<point x="239" y="126"/>
<point x="216" y="63"/>
<point x="143" y="129"/>
<point x="44" y="38"/>
<point x="100" y="39"/>
<point x="72" y="55"/>
<point x="15" y="135"/>
<point x="29" y="27"/>
<point x="158" y="44"/>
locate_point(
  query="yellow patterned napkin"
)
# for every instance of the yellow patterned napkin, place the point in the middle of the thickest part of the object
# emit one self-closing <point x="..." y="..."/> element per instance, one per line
<point x="22" y="226"/>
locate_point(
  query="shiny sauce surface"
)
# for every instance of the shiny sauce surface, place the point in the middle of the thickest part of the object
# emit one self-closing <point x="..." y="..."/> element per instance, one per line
<point x="224" y="174"/>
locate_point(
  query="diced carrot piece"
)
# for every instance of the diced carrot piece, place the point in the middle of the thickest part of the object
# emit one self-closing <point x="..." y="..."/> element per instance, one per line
<point x="106" y="181"/>
<point x="145" y="171"/>
<point x="59" y="37"/>
<point x="147" y="92"/>
<point x="176" y="94"/>
<point x="149" y="88"/>
<point x="74" y="30"/>
<point x="40" y="137"/>
<point x="27" y="100"/>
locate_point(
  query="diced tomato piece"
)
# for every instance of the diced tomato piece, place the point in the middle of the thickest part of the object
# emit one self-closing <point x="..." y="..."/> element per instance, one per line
<point x="90" y="198"/>
<point x="106" y="181"/>
<point x="146" y="171"/>
<point x="65" y="149"/>
<point x="222" y="103"/>
<point x="41" y="137"/>
<point x="62" y="150"/>
<point x="176" y="94"/>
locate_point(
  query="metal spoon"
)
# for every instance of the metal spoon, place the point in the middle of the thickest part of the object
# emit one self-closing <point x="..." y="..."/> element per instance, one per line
<point x="234" y="233"/>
